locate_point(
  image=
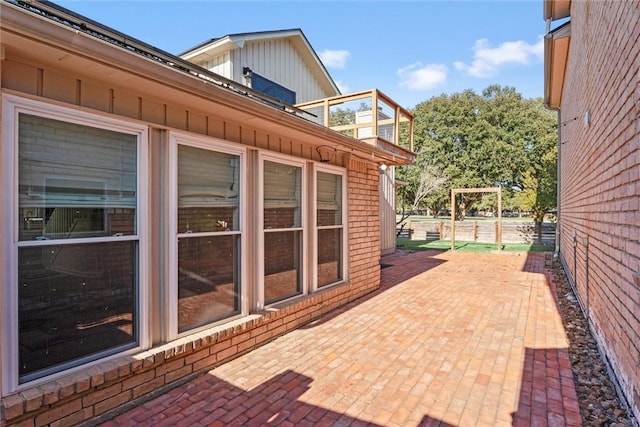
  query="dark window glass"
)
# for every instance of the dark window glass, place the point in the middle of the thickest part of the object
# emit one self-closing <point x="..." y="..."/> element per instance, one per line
<point x="282" y="265"/>
<point x="208" y="280"/>
<point x="329" y="256"/>
<point x="75" y="301"/>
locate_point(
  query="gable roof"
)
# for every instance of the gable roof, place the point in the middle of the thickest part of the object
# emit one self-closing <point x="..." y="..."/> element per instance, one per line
<point x="214" y="47"/>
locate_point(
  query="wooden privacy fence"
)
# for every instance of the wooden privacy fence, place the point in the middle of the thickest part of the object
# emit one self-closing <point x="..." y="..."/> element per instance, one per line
<point x="478" y="231"/>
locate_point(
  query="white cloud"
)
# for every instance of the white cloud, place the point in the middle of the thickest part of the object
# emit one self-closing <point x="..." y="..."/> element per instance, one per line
<point x="344" y="88"/>
<point x="418" y="76"/>
<point x="487" y="60"/>
<point x="334" y="58"/>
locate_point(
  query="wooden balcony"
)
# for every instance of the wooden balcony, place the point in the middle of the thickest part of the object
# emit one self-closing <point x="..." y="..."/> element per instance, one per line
<point x="391" y="129"/>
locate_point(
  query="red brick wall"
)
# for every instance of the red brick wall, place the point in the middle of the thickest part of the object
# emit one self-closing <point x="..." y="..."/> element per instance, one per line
<point x="364" y="226"/>
<point x="600" y="179"/>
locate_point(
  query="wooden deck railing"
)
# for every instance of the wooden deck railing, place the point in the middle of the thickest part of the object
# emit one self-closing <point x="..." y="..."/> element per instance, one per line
<point x="352" y="115"/>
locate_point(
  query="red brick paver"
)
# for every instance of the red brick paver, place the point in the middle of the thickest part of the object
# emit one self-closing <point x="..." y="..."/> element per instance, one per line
<point x="450" y="339"/>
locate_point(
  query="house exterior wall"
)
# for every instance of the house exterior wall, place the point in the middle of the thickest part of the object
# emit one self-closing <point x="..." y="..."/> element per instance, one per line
<point x="599" y="197"/>
<point x="100" y="386"/>
<point x="221" y="65"/>
<point x="278" y="60"/>
<point x="387" y="211"/>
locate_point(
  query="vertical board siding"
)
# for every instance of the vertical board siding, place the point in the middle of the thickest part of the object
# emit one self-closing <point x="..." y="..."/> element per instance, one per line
<point x="387" y="212"/>
<point x="279" y="61"/>
<point x="221" y="65"/>
<point x="600" y="179"/>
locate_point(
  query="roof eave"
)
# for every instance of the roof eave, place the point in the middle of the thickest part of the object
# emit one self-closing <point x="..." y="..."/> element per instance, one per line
<point x="556" y="54"/>
<point x="556" y="9"/>
<point x="47" y="39"/>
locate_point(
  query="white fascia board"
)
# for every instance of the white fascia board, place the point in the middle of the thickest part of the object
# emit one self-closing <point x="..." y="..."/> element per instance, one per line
<point x="213" y="49"/>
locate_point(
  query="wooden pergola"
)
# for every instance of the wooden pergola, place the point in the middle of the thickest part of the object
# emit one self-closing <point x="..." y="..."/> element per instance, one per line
<point x="455" y="191"/>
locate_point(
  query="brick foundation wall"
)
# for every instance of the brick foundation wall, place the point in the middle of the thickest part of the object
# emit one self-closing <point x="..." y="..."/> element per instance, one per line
<point x="600" y="180"/>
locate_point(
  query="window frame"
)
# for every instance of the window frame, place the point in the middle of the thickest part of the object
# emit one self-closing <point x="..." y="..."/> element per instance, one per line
<point x="335" y="170"/>
<point x="260" y="238"/>
<point x="221" y="146"/>
<point x="12" y="107"/>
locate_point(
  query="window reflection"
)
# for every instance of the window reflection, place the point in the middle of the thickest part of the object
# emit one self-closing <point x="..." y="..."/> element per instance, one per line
<point x="74" y="301"/>
<point x="208" y="279"/>
<point x="329" y="256"/>
<point x="330" y="229"/>
<point x="208" y="190"/>
<point x="282" y="265"/>
<point x="75" y="181"/>
<point x="209" y="236"/>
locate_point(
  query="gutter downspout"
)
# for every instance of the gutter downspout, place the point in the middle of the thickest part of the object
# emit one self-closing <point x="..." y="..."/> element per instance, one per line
<point x="556" y="251"/>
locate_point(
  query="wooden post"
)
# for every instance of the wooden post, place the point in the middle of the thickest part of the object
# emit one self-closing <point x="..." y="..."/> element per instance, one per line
<point x="454" y="191"/>
<point x="499" y="231"/>
<point x="453" y="219"/>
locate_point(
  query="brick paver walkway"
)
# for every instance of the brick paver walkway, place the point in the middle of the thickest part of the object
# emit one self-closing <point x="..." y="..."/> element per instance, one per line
<point x="450" y="339"/>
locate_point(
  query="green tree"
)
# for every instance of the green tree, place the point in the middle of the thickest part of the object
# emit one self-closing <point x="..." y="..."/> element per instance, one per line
<point x="496" y="138"/>
<point x="539" y="179"/>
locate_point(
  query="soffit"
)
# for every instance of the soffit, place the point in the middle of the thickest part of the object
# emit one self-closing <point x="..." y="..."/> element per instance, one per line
<point x="556" y="53"/>
<point x="556" y="9"/>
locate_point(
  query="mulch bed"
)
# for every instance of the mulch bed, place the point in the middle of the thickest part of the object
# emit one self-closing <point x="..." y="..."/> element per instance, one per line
<point x="597" y="397"/>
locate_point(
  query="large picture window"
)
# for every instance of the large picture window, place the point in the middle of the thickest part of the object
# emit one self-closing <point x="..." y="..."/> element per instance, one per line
<point x="208" y="236"/>
<point x="77" y="282"/>
<point x="330" y="228"/>
<point x="283" y="231"/>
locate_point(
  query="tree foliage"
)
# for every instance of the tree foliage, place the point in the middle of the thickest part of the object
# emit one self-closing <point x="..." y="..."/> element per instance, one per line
<point x="496" y="138"/>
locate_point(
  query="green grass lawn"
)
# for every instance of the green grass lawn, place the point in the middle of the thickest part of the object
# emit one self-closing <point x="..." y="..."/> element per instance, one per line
<point x="447" y="219"/>
<point x="445" y="245"/>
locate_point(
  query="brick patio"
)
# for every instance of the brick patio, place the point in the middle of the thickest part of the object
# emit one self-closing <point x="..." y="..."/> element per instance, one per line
<point x="450" y="339"/>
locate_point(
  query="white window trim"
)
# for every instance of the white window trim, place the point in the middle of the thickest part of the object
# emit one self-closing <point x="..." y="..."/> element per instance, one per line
<point x="212" y="144"/>
<point x="12" y="105"/>
<point x="292" y="161"/>
<point x="321" y="167"/>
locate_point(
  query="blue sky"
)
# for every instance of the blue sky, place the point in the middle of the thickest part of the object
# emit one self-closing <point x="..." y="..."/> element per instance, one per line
<point x="411" y="50"/>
